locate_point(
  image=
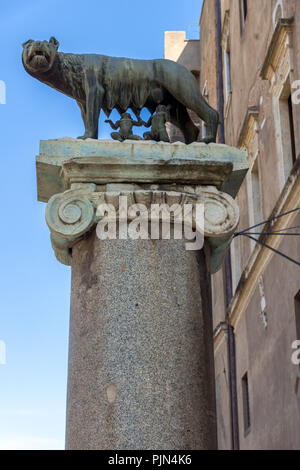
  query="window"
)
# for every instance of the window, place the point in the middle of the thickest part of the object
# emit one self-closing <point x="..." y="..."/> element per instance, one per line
<point x="254" y="197"/>
<point x="297" y="314"/>
<point x="243" y="13"/>
<point x="227" y="70"/>
<point x="287" y="130"/>
<point x="246" y="404"/>
<point x="235" y="252"/>
<point x="203" y="124"/>
<point x="292" y="128"/>
<point x="226" y="59"/>
<point x="256" y="194"/>
<point x="277" y="69"/>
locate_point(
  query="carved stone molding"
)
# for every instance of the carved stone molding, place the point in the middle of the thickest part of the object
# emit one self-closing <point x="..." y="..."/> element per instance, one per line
<point x="69" y="216"/>
<point x="72" y="214"/>
<point x="249" y="134"/>
<point x="63" y="162"/>
<point x="279" y="61"/>
<point x="225" y="29"/>
<point x="75" y="176"/>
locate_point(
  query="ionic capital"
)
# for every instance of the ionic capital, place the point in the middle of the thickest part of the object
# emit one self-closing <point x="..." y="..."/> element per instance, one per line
<point x="72" y="214"/>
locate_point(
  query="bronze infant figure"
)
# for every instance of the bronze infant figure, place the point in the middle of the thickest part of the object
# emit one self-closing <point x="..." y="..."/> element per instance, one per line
<point x="125" y="124"/>
<point x="98" y="82"/>
<point x="158" y="125"/>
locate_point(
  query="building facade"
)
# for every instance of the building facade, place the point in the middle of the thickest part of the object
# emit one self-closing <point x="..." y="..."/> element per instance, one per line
<point x="249" y="69"/>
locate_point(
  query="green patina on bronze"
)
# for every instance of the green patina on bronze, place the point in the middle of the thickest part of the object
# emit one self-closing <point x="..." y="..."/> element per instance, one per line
<point x="99" y="82"/>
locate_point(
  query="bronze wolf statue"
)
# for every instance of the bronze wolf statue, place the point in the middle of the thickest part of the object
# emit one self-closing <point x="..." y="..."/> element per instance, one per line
<point x="101" y="82"/>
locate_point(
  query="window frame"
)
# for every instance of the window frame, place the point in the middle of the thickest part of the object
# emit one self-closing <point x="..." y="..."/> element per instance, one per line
<point x="246" y="404"/>
<point x="243" y="14"/>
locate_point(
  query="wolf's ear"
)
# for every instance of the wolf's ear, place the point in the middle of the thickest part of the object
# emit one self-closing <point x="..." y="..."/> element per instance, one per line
<point x="54" y="41"/>
<point x="27" y="42"/>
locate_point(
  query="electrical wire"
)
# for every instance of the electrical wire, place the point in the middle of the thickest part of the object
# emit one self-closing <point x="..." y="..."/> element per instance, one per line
<point x="282" y="233"/>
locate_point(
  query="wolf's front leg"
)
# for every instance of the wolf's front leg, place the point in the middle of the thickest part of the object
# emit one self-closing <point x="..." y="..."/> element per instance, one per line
<point x="94" y="97"/>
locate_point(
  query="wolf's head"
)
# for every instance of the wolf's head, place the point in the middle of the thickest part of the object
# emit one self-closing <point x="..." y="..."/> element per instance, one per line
<point x="39" y="56"/>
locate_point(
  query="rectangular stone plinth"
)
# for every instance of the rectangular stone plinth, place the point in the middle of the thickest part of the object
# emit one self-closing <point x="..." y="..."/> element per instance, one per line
<point x="66" y="161"/>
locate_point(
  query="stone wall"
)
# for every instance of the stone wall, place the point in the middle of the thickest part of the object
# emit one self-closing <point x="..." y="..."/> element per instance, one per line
<point x="261" y="61"/>
<point x="262" y="311"/>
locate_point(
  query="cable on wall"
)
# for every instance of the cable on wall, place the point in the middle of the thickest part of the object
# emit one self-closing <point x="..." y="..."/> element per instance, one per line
<point x="282" y="233"/>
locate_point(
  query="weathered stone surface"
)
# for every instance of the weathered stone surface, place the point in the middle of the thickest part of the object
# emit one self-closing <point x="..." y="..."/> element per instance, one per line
<point x="141" y="170"/>
<point x="71" y="214"/>
<point x="141" y="372"/>
<point x="137" y="162"/>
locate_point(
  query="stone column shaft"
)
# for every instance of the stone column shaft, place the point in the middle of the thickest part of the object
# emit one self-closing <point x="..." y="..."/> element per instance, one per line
<point x="141" y="371"/>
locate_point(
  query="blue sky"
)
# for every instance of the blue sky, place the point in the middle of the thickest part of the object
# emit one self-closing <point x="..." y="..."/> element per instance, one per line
<point x="35" y="288"/>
